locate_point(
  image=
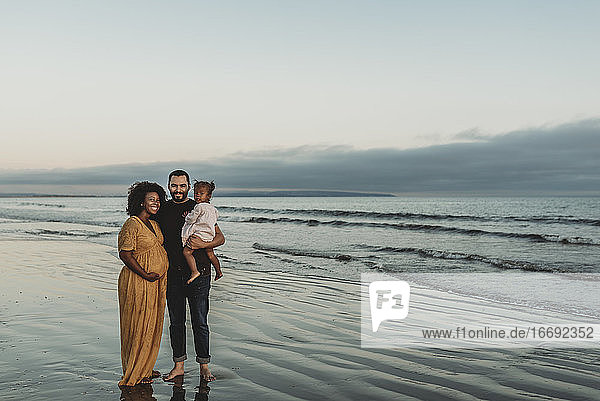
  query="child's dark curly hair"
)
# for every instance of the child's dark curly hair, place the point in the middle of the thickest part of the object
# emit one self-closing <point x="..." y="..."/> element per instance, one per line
<point x="210" y="186"/>
<point x="137" y="193"/>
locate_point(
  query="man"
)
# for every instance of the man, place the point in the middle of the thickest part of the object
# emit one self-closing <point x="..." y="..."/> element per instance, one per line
<point x="171" y="217"/>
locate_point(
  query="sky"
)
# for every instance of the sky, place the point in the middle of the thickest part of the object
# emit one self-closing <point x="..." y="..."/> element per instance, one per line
<point x="90" y="85"/>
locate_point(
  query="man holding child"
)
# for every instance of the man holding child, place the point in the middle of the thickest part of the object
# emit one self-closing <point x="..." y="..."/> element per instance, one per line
<point x="171" y="218"/>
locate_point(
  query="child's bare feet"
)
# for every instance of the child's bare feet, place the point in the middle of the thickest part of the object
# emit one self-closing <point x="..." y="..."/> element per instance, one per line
<point x="193" y="277"/>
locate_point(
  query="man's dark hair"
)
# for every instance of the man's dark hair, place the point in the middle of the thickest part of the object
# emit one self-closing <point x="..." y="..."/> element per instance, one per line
<point x="179" y="173"/>
<point x="137" y="193"/>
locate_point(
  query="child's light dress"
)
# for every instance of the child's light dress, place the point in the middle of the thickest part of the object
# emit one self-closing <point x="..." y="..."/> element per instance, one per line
<point x="201" y="222"/>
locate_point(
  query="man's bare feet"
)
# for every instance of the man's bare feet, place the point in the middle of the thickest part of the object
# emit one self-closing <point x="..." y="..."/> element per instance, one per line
<point x="176" y="371"/>
<point x="193" y="276"/>
<point x="218" y="275"/>
<point x="205" y="373"/>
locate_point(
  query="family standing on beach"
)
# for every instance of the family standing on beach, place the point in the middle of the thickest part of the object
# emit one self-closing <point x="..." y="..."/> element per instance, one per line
<point x="166" y="247"/>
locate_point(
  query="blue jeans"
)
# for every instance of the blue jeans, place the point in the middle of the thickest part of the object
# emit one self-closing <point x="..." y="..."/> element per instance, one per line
<point x="197" y="296"/>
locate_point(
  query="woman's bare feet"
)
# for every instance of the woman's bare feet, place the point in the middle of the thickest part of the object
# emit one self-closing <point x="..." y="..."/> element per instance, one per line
<point x="193" y="276"/>
<point x="176" y="371"/>
<point x="205" y="373"/>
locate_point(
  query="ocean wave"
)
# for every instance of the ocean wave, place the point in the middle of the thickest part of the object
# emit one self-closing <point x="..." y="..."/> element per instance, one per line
<point x="298" y="252"/>
<point x="41" y="204"/>
<point x="452" y="255"/>
<point x="426" y="253"/>
<point x="72" y="233"/>
<point x="422" y="227"/>
<point x="407" y="215"/>
<point x="20" y="217"/>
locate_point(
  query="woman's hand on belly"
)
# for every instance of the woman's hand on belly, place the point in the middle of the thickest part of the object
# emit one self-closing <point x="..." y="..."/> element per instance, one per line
<point x="151" y="276"/>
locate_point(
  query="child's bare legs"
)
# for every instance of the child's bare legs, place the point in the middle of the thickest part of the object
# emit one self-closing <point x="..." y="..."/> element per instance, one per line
<point x="215" y="262"/>
<point x="189" y="257"/>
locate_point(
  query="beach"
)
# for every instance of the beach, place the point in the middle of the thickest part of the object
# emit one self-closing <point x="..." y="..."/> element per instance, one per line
<point x="274" y="336"/>
<point x="407" y="200"/>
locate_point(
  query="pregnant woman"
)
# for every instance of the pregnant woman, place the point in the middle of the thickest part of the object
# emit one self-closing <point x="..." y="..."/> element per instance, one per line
<point x="142" y="284"/>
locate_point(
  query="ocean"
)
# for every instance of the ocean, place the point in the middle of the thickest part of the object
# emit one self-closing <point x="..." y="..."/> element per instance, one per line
<point x="343" y="237"/>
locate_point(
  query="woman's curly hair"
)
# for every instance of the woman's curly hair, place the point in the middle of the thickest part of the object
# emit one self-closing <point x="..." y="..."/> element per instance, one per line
<point x="137" y="193"/>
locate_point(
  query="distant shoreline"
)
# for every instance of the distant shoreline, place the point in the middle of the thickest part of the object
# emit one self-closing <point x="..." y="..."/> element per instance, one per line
<point x="326" y="194"/>
<point x="247" y="194"/>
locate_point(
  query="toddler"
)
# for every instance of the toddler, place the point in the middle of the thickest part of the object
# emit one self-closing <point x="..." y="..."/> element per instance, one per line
<point x="201" y="222"/>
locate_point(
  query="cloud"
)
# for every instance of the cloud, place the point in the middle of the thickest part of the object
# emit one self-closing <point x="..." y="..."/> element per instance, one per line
<point x="564" y="158"/>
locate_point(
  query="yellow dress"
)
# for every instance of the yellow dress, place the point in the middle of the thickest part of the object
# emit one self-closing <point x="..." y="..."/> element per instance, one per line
<point x="141" y="302"/>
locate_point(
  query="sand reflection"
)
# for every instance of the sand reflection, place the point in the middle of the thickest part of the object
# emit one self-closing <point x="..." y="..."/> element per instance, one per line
<point x="141" y="392"/>
<point x="144" y="392"/>
<point x="201" y="394"/>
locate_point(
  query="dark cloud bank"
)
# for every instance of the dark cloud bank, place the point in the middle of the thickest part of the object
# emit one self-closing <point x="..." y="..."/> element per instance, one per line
<point x="558" y="160"/>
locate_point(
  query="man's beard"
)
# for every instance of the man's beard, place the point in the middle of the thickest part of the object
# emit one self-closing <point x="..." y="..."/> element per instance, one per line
<point x="178" y="195"/>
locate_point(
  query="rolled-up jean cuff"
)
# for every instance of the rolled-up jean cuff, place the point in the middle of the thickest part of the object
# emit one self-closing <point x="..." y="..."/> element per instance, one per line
<point x="203" y="360"/>
<point x="179" y="358"/>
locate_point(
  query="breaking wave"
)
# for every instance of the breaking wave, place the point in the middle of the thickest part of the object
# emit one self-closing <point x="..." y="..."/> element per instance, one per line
<point x="421" y="227"/>
<point x="408" y="216"/>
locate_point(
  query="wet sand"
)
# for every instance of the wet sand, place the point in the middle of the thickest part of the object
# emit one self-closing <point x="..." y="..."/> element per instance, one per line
<point x="275" y="336"/>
